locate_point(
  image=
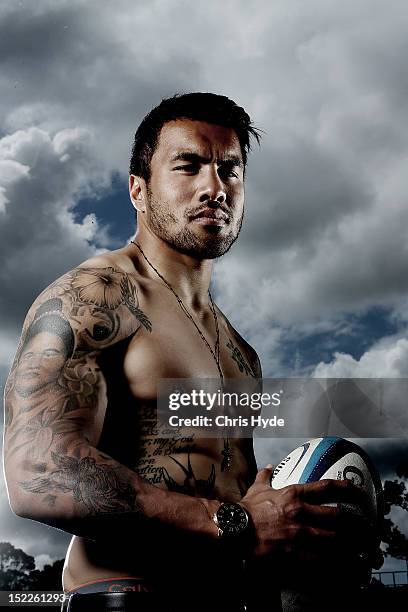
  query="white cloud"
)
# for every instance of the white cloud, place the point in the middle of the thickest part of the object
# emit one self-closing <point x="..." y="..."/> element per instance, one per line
<point x="387" y="358"/>
<point x="10" y="172"/>
<point x="44" y="174"/>
<point x="41" y="560"/>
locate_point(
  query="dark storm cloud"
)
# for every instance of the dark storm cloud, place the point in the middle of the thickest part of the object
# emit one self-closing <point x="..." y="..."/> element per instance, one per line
<point x="386" y="454"/>
<point x="333" y="130"/>
<point x="306" y="192"/>
<point x="102" y="69"/>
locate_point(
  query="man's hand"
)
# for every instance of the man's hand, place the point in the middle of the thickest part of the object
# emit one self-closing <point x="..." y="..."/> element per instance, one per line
<point x="292" y="524"/>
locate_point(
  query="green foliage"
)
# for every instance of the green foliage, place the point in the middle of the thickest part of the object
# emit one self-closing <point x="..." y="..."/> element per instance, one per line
<point x="396" y="494"/>
<point x="18" y="573"/>
<point x="15" y="568"/>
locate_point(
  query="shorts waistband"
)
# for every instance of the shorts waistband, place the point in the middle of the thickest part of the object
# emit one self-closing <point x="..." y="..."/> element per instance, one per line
<point x="113" y="585"/>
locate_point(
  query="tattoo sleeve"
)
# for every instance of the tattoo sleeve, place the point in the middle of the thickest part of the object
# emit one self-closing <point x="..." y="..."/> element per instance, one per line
<point x="55" y="402"/>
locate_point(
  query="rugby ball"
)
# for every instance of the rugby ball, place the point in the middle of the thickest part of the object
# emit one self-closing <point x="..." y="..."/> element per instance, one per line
<point x="334" y="458"/>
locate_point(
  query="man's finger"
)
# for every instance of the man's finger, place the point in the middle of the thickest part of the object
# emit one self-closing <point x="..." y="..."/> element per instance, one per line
<point x="325" y="517"/>
<point x="316" y="539"/>
<point x="264" y="475"/>
<point x="348" y="524"/>
<point x="333" y="491"/>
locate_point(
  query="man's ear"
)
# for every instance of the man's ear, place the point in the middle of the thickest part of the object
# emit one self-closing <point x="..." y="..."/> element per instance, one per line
<point x="136" y="190"/>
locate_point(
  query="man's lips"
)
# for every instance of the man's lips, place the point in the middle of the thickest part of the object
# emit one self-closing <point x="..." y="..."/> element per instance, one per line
<point x="211" y="216"/>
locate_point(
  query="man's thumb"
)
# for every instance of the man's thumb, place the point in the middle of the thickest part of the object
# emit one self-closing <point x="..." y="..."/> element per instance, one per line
<point x="264" y="475"/>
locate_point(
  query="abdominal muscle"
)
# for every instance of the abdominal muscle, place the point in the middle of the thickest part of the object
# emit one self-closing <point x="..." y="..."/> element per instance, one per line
<point x="191" y="473"/>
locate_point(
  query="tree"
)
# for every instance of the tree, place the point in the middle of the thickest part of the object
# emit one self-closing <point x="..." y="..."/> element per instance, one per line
<point x="49" y="579"/>
<point x="18" y="573"/>
<point x="396" y="494"/>
<point x="15" y="568"/>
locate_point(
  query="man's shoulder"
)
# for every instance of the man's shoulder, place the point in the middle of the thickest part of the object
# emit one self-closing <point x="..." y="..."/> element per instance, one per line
<point x="109" y="268"/>
<point x="99" y="299"/>
<point x="118" y="260"/>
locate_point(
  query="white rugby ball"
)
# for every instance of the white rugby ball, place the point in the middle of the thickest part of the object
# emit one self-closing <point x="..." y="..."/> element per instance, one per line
<point x="334" y="458"/>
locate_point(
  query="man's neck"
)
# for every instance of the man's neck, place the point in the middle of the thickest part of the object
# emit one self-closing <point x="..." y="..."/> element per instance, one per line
<point x="187" y="276"/>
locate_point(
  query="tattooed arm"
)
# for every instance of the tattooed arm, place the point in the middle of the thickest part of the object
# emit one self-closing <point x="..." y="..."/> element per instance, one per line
<point x="55" y="404"/>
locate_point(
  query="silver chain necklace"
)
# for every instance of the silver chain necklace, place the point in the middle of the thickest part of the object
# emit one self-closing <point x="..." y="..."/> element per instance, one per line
<point x="227" y="452"/>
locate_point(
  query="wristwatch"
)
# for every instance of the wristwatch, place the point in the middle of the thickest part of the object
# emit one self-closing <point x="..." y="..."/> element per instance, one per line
<point x="231" y="519"/>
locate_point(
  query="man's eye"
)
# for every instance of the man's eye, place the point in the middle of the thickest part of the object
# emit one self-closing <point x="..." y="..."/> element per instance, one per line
<point x="225" y="172"/>
<point x="187" y="168"/>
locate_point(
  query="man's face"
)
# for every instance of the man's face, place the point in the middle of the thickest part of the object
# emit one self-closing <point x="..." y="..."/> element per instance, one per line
<point x="196" y="189"/>
<point x="40" y="363"/>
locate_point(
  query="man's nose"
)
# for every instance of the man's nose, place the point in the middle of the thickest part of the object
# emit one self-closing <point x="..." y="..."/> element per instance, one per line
<point x="212" y="188"/>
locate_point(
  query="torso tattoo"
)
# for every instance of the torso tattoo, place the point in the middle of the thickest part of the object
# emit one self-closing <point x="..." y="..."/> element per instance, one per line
<point x="239" y="359"/>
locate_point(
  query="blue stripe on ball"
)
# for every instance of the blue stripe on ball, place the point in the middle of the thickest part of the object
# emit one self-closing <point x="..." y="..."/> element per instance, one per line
<point x="315" y="467"/>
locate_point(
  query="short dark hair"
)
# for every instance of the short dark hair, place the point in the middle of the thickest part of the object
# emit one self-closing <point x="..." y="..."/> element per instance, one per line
<point x="199" y="106"/>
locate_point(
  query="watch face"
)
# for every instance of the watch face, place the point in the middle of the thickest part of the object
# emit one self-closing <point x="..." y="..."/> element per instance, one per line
<point x="232" y="519"/>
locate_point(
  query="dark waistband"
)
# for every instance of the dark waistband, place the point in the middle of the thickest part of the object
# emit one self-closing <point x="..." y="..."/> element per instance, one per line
<point x="130" y="602"/>
<point x="101" y="595"/>
<point x="113" y="585"/>
<point x="119" y="595"/>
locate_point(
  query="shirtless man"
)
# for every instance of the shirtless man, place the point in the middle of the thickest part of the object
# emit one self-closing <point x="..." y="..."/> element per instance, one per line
<point x="81" y="449"/>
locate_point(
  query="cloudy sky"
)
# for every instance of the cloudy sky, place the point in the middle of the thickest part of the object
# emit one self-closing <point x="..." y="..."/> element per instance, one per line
<point x="317" y="282"/>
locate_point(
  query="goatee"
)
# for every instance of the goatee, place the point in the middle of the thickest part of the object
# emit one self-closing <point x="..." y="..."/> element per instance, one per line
<point x="213" y="245"/>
